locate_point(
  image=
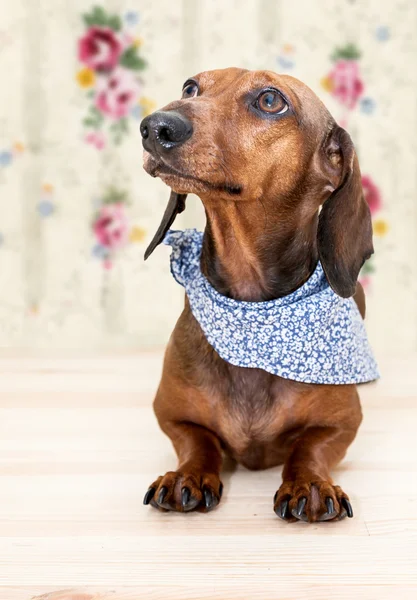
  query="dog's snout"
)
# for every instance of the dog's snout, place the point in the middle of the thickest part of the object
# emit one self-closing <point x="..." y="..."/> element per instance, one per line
<point x="165" y="129"/>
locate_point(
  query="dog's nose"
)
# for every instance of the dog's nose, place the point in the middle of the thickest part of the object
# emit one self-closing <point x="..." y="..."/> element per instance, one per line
<point x="167" y="129"/>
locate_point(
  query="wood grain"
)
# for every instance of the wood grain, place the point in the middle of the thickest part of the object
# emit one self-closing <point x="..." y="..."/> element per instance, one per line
<point x="79" y="445"/>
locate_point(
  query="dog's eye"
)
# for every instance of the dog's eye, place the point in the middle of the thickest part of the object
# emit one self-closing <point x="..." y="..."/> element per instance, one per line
<point x="190" y="89"/>
<point x="271" y="102"/>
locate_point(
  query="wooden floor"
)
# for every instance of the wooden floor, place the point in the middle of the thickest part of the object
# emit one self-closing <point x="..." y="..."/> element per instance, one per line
<point x="79" y="445"/>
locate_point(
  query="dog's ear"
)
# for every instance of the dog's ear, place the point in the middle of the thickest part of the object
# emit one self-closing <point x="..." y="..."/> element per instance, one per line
<point x="344" y="234"/>
<point x="175" y="206"/>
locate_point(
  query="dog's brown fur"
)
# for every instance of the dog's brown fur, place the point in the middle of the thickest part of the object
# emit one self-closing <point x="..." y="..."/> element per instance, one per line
<point x="262" y="181"/>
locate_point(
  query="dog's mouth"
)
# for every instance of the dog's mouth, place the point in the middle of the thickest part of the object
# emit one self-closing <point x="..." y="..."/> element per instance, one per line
<point x="157" y="167"/>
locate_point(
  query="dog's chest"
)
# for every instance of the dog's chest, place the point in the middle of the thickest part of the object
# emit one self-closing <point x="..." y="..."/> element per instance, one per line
<point x="254" y="407"/>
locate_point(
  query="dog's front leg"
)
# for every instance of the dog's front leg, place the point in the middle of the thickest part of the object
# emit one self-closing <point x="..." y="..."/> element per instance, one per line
<point x="195" y="485"/>
<point x="307" y="492"/>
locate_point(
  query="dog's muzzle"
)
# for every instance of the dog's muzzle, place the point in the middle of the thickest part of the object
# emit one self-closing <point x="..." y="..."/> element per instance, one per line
<point x="165" y="130"/>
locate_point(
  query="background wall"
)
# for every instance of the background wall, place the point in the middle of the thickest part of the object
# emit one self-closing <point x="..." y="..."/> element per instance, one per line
<point x="77" y="210"/>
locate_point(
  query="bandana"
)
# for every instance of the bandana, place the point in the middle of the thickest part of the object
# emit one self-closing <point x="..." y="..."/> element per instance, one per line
<point x="312" y="335"/>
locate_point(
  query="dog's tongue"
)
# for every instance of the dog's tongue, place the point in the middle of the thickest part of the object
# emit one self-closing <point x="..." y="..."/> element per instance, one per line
<point x="176" y="205"/>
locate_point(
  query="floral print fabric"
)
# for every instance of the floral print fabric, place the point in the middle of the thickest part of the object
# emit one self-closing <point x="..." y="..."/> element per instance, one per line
<point x="311" y="335"/>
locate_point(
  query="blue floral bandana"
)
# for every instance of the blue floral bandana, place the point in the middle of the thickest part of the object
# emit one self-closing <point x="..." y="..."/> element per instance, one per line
<point x="311" y="335"/>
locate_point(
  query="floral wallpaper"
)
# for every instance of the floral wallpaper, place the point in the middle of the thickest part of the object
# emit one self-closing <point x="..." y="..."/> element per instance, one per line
<point x="78" y="210"/>
<point x="346" y="84"/>
<point x="111" y="60"/>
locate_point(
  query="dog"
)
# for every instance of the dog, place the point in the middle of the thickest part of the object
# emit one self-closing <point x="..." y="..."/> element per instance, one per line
<point x="281" y="188"/>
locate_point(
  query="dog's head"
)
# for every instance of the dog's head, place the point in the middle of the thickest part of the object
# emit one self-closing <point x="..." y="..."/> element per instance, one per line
<point x="246" y="136"/>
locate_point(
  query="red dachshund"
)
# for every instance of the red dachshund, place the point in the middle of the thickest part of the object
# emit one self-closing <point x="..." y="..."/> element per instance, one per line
<point x="281" y="188"/>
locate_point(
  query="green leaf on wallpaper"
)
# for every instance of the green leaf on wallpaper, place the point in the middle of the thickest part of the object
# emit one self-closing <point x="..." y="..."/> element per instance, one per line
<point x="87" y="20"/>
<point x="124" y="125"/>
<point x="119" y="129"/>
<point x="87" y="122"/>
<point x="94" y="118"/>
<point x="348" y="52"/>
<point x="115" y="128"/>
<point x="131" y="60"/>
<point x="99" y="17"/>
<point x="90" y="94"/>
<point x="96" y="114"/>
<point x="114" y="23"/>
<point x="115" y="196"/>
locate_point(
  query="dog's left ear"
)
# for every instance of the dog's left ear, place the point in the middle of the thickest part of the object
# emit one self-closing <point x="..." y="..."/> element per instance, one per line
<point x="344" y="233"/>
<point x="176" y="205"/>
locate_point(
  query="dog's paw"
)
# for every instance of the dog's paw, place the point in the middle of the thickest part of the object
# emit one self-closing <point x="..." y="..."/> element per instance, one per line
<point x="311" y="501"/>
<point x="183" y="492"/>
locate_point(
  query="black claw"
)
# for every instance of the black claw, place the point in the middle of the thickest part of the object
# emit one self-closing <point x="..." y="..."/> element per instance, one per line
<point x="149" y="495"/>
<point x="208" y="498"/>
<point x="220" y="490"/>
<point x="162" y="494"/>
<point x="330" y="506"/>
<point x="300" y="506"/>
<point x="283" y="509"/>
<point x="275" y="496"/>
<point x="348" y="507"/>
<point x="185" y="496"/>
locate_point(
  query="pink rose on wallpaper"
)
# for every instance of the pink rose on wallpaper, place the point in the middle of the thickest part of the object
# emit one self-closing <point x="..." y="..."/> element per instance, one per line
<point x="111" y="226"/>
<point x="97" y="139"/>
<point x="117" y="93"/>
<point x="365" y="281"/>
<point x="99" y="49"/>
<point x="371" y="193"/>
<point x="345" y="82"/>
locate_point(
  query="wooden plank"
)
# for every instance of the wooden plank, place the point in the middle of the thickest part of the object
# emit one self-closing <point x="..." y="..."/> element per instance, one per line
<point x="79" y="445"/>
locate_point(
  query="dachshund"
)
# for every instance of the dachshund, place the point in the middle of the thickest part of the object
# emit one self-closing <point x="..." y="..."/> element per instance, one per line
<point x="281" y="188"/>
